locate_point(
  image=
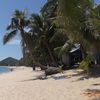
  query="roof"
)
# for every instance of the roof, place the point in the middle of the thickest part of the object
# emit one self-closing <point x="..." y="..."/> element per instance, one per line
<point x="77" y="46"/>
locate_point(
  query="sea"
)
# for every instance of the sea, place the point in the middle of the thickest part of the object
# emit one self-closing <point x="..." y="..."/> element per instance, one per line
<point x="4" y="69"/>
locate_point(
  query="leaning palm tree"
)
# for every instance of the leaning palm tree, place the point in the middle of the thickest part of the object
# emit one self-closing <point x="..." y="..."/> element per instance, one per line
<point x="82" y="23"/>
<point x="43" y="31"/>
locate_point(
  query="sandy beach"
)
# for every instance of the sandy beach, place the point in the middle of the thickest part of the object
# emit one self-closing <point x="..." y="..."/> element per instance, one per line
<point x="22" y="84"/>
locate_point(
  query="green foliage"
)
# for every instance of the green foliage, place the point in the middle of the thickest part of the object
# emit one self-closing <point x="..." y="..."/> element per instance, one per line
<point x="80" y="25"/>
<point x="58" y="39"/>
<point x="26" y="61"/>
<point x="85" y="64"/>
<point x="43" y="31"/>
<point x="63" y="49"/>
<point x="19" y="22"/>
<point x="9" y="36"/>
<point x="45" y="40"/>
<point x="49" y="9"/>
<point x="60" y="68"/>
<point x="81" y="21"/>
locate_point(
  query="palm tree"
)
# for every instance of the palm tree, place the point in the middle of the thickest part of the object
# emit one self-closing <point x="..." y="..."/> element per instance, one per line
<point x="43" y="31"/>
<point x="82" y="23"/>
<point x="19" y="24"/>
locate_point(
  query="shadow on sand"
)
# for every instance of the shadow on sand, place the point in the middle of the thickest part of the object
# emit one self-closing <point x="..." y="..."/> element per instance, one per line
<point x="82" y="75"/>
<point x="43" y="77"/>
<point x="87" y="76"/>
<point x="40" y="77"/>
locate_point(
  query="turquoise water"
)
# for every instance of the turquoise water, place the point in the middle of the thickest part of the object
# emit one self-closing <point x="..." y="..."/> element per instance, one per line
<point x="4" y="69"/>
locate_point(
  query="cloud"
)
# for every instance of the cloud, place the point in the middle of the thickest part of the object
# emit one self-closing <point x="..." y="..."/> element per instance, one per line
<point x="14" y="42"/>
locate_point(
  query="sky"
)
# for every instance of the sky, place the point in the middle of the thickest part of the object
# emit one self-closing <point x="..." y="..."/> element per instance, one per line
<point x="7" y="7"/>
<point x="97" y="1"/>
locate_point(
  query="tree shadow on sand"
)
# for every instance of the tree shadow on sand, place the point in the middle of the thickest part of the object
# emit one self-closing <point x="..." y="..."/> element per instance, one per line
<point x="84" y="75"/>
<point x="97" y="84"/>
<point x="43" y="77"/>
<point x="93" y="72"/>
<point x="40" y="77"/>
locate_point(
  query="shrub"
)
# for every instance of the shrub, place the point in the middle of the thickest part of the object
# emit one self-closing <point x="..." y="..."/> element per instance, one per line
<point x="85" y="64"/>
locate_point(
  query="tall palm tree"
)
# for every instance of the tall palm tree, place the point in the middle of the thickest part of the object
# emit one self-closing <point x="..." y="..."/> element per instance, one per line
<point x="43" y="31"/>
<point x="82" y="23"/>
<point x="19" y="24"/>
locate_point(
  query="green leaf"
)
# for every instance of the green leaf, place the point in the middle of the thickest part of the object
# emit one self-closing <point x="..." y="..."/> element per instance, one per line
<point x="9" y="36"/>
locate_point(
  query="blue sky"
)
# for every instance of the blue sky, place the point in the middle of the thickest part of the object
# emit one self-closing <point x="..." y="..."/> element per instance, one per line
<point x="97" y="1"/>
<point x="13" y="48"/>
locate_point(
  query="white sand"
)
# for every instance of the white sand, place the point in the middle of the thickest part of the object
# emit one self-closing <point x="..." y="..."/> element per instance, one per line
<point x="20" y="85"/>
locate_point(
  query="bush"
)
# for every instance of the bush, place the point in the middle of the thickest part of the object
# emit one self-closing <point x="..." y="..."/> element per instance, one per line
<point x="26" y="61"/>
<point x="85" y="64"/>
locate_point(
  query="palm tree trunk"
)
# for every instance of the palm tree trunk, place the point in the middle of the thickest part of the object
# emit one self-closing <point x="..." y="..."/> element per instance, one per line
<point x="50" y="53"/>
<point x="30" y="48"/>
<point x="84" y="54"/>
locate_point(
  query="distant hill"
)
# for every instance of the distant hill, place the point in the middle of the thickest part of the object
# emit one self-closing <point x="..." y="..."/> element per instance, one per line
<point x="9" y="62"/>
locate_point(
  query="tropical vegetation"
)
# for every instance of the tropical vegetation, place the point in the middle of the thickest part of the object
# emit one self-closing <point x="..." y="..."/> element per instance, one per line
<point x="61" y="24"/>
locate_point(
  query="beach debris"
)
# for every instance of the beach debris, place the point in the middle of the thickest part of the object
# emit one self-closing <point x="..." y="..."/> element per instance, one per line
<point x="91" y="93"/>
<point x="59" y="77"/>
<point x="42" y="77"/>
<point x="52" y="70"/>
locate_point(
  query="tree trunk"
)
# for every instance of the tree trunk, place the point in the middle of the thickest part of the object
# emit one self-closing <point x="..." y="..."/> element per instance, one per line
<point x="84" y="54"/>
<point x="96" y="56"/>
<point x="30" y="49"/>
<point x="50" y="53"/>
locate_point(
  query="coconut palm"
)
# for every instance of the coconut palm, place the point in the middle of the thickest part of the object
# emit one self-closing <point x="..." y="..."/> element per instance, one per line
<point x="43" y="31"/>
<point x="19" y="23"/>
<point x="81" y="22"/>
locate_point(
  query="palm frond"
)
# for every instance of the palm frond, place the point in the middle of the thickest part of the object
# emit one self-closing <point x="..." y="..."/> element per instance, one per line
<point x="49" y="8"/>
<point x="73" y="12"/>
<point x="8" y="36"/>
<point x="37" y="19"/>
<point x="8" y="27"/>
<point x="64" y="49"/>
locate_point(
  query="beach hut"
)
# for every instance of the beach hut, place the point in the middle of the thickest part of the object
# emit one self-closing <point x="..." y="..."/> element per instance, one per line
<point x="73" y="57"/>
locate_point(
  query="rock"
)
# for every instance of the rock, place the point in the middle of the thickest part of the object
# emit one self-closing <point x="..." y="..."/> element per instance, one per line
<point x="52" y="70"/>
